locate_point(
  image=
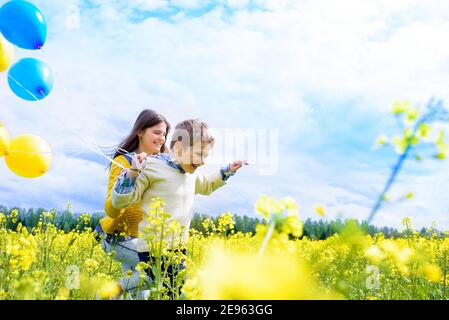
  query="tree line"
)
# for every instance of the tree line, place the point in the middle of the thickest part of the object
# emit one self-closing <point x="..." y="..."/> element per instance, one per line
<point x="313" y="229"/>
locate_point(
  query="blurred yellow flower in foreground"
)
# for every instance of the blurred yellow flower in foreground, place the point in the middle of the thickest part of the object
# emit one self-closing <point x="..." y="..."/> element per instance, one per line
<point x="110" y="290"/>
<point x="432" y="272"/>
<point x="401" y="254"/>
<point x="235" y="276"/>
<point x="267" y="206"/>
<point x="374" y="254"/>
<point x="400" y="107"/>
<point x="63" y="294"/>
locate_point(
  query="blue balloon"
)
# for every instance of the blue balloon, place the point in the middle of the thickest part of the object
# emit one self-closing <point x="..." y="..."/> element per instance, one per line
<point x="30" y="79"/>
<point x="24" y="25"/>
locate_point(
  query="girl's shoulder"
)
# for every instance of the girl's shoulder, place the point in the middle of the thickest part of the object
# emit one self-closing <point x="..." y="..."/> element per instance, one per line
<point x="124" y="160"/>
<point x="120" y="162"/>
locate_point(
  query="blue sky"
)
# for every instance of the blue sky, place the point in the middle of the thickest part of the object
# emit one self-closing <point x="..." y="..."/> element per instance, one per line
<point x="322" y="74"/>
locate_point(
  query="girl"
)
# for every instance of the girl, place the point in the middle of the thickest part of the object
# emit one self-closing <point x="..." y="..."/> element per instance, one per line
<point x="119" y="229"/>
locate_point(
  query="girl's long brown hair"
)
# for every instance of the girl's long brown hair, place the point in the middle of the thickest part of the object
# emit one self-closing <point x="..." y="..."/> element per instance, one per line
<point x="148" y="118"/>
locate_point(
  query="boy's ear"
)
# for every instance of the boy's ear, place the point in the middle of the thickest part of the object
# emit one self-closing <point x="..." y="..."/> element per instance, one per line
<point x="177" y="148"/>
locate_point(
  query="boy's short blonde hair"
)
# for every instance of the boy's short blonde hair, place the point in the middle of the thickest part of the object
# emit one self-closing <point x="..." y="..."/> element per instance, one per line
<point x="191" y="132"/>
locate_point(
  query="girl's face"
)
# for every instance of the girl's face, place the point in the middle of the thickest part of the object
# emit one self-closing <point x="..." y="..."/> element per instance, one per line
<point x="152" y="139"/>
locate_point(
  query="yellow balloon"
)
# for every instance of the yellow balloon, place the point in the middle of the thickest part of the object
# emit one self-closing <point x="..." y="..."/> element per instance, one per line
<point x="29" y="156"/>
<point x="6" y="54"/>
<point x="4" y="140"/>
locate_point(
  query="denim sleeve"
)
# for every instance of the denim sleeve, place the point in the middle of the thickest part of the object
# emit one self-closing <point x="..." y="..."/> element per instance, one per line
<point x="124" y="184"/>
<point x="226" y="172"/>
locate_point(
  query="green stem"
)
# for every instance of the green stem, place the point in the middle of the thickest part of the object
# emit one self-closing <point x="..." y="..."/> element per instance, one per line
<point x="266" y="239"/>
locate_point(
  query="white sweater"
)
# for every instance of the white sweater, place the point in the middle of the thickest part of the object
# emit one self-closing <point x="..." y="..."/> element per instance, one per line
<point x="176" y="189"/>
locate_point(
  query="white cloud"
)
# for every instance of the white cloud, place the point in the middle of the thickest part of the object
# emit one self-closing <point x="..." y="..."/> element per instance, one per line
<point x="151" y="4"/>
<point x="280" y="5"/>
<point x="190" y="4"/>
<point x="237" y="4"/>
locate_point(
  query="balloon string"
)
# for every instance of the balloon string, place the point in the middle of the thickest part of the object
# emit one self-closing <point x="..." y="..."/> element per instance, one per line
<point x="96" y="147"/>
<point x="88" y="143"/>
<point x="75" y="153"/>
<point x="17" y="82"/>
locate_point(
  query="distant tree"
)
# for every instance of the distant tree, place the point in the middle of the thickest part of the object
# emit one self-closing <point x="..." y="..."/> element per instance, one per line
<point x="312" y="229"/>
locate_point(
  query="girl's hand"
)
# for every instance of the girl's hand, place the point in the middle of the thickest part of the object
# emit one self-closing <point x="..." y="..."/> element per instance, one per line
<point x="137" y="164"/>
<point x="238" y="164"/>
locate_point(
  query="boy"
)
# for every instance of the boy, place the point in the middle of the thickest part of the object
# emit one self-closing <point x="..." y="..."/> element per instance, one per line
<point x="172" y="178"/>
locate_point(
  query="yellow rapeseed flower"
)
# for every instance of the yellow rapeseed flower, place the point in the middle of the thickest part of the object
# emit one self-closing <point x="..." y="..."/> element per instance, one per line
<point x="267" y="206"/>
<point x="190" y="289"/>
<point x="63" y="294"/>
<point x="225" y="222"/>
<point x="110" y="290"/>
<point x="432" y="272"/>
<point x="320" y="210"/>
<point x="289" y="204"/>
<point x="3" y="294"/>
<point x="208" y="225"/>
<point x="293" y="226"/>
<point x="374" y="254"/>
<point x="234" y="276"/>
<point x="91" y="264"/>
<point x="381" y="140"/>
<point x="400" y="107"/>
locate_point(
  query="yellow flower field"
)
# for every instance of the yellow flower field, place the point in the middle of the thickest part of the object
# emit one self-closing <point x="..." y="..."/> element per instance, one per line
<point x="275" y="263"/>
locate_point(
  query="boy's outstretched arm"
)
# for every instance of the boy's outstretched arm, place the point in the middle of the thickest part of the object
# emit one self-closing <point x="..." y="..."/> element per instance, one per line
<point x="207" y="184"/>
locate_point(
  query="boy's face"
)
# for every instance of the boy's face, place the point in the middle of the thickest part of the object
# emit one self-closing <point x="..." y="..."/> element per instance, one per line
<point x="193" y="157"/>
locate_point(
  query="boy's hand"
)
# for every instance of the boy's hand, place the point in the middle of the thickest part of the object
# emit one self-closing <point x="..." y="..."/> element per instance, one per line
<point x="238" y="164"/>
<point x="138" y="161"/>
